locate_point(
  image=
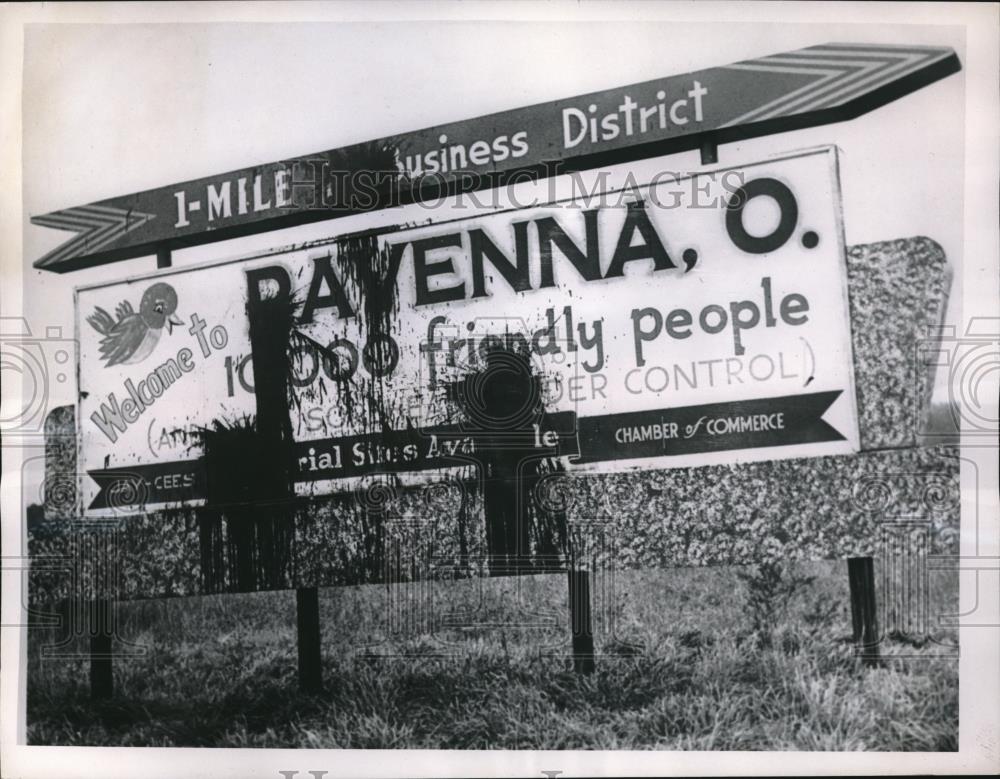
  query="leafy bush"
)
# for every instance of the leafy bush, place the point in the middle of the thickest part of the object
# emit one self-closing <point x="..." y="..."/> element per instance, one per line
<point x="768" y="590"/>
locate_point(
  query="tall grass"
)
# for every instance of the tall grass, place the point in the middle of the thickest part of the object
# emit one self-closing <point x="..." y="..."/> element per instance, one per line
<point x="679" y="667"/>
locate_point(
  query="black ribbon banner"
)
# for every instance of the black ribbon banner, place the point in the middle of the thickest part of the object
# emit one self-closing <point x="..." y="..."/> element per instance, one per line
<point x="417" y="449"/>
<point x="149" y="483"/>
<point x="712" y="427"/>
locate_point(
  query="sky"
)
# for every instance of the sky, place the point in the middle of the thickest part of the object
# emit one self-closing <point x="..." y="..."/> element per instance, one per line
<point x="113" y="109"/>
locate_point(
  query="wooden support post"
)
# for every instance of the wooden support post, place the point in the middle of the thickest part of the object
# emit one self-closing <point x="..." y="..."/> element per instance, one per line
<point x="163" y="257"/>
<point x="101" y="679"/>
<point x="580" y="622"/>
<point x="861" y="575"/>
<point x="310" y="656"/>
<point x="709" y="151"/>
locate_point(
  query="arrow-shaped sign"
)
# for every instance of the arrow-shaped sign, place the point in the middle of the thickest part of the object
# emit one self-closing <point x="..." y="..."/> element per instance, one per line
<point x="98" y="226"/>
<point x="805" y="88"/>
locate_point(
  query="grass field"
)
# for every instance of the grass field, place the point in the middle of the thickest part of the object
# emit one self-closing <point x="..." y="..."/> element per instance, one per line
<point x="687" y="659"/>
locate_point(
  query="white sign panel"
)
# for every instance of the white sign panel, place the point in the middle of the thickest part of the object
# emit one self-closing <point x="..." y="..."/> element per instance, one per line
<point x="683" y="322"/>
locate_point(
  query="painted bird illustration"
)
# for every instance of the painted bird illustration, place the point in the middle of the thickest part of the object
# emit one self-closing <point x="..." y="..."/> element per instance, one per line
<point x="129" y="336"/>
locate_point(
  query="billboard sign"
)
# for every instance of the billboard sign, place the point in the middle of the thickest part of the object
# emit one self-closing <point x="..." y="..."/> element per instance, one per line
<point x="684" y="322"/>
